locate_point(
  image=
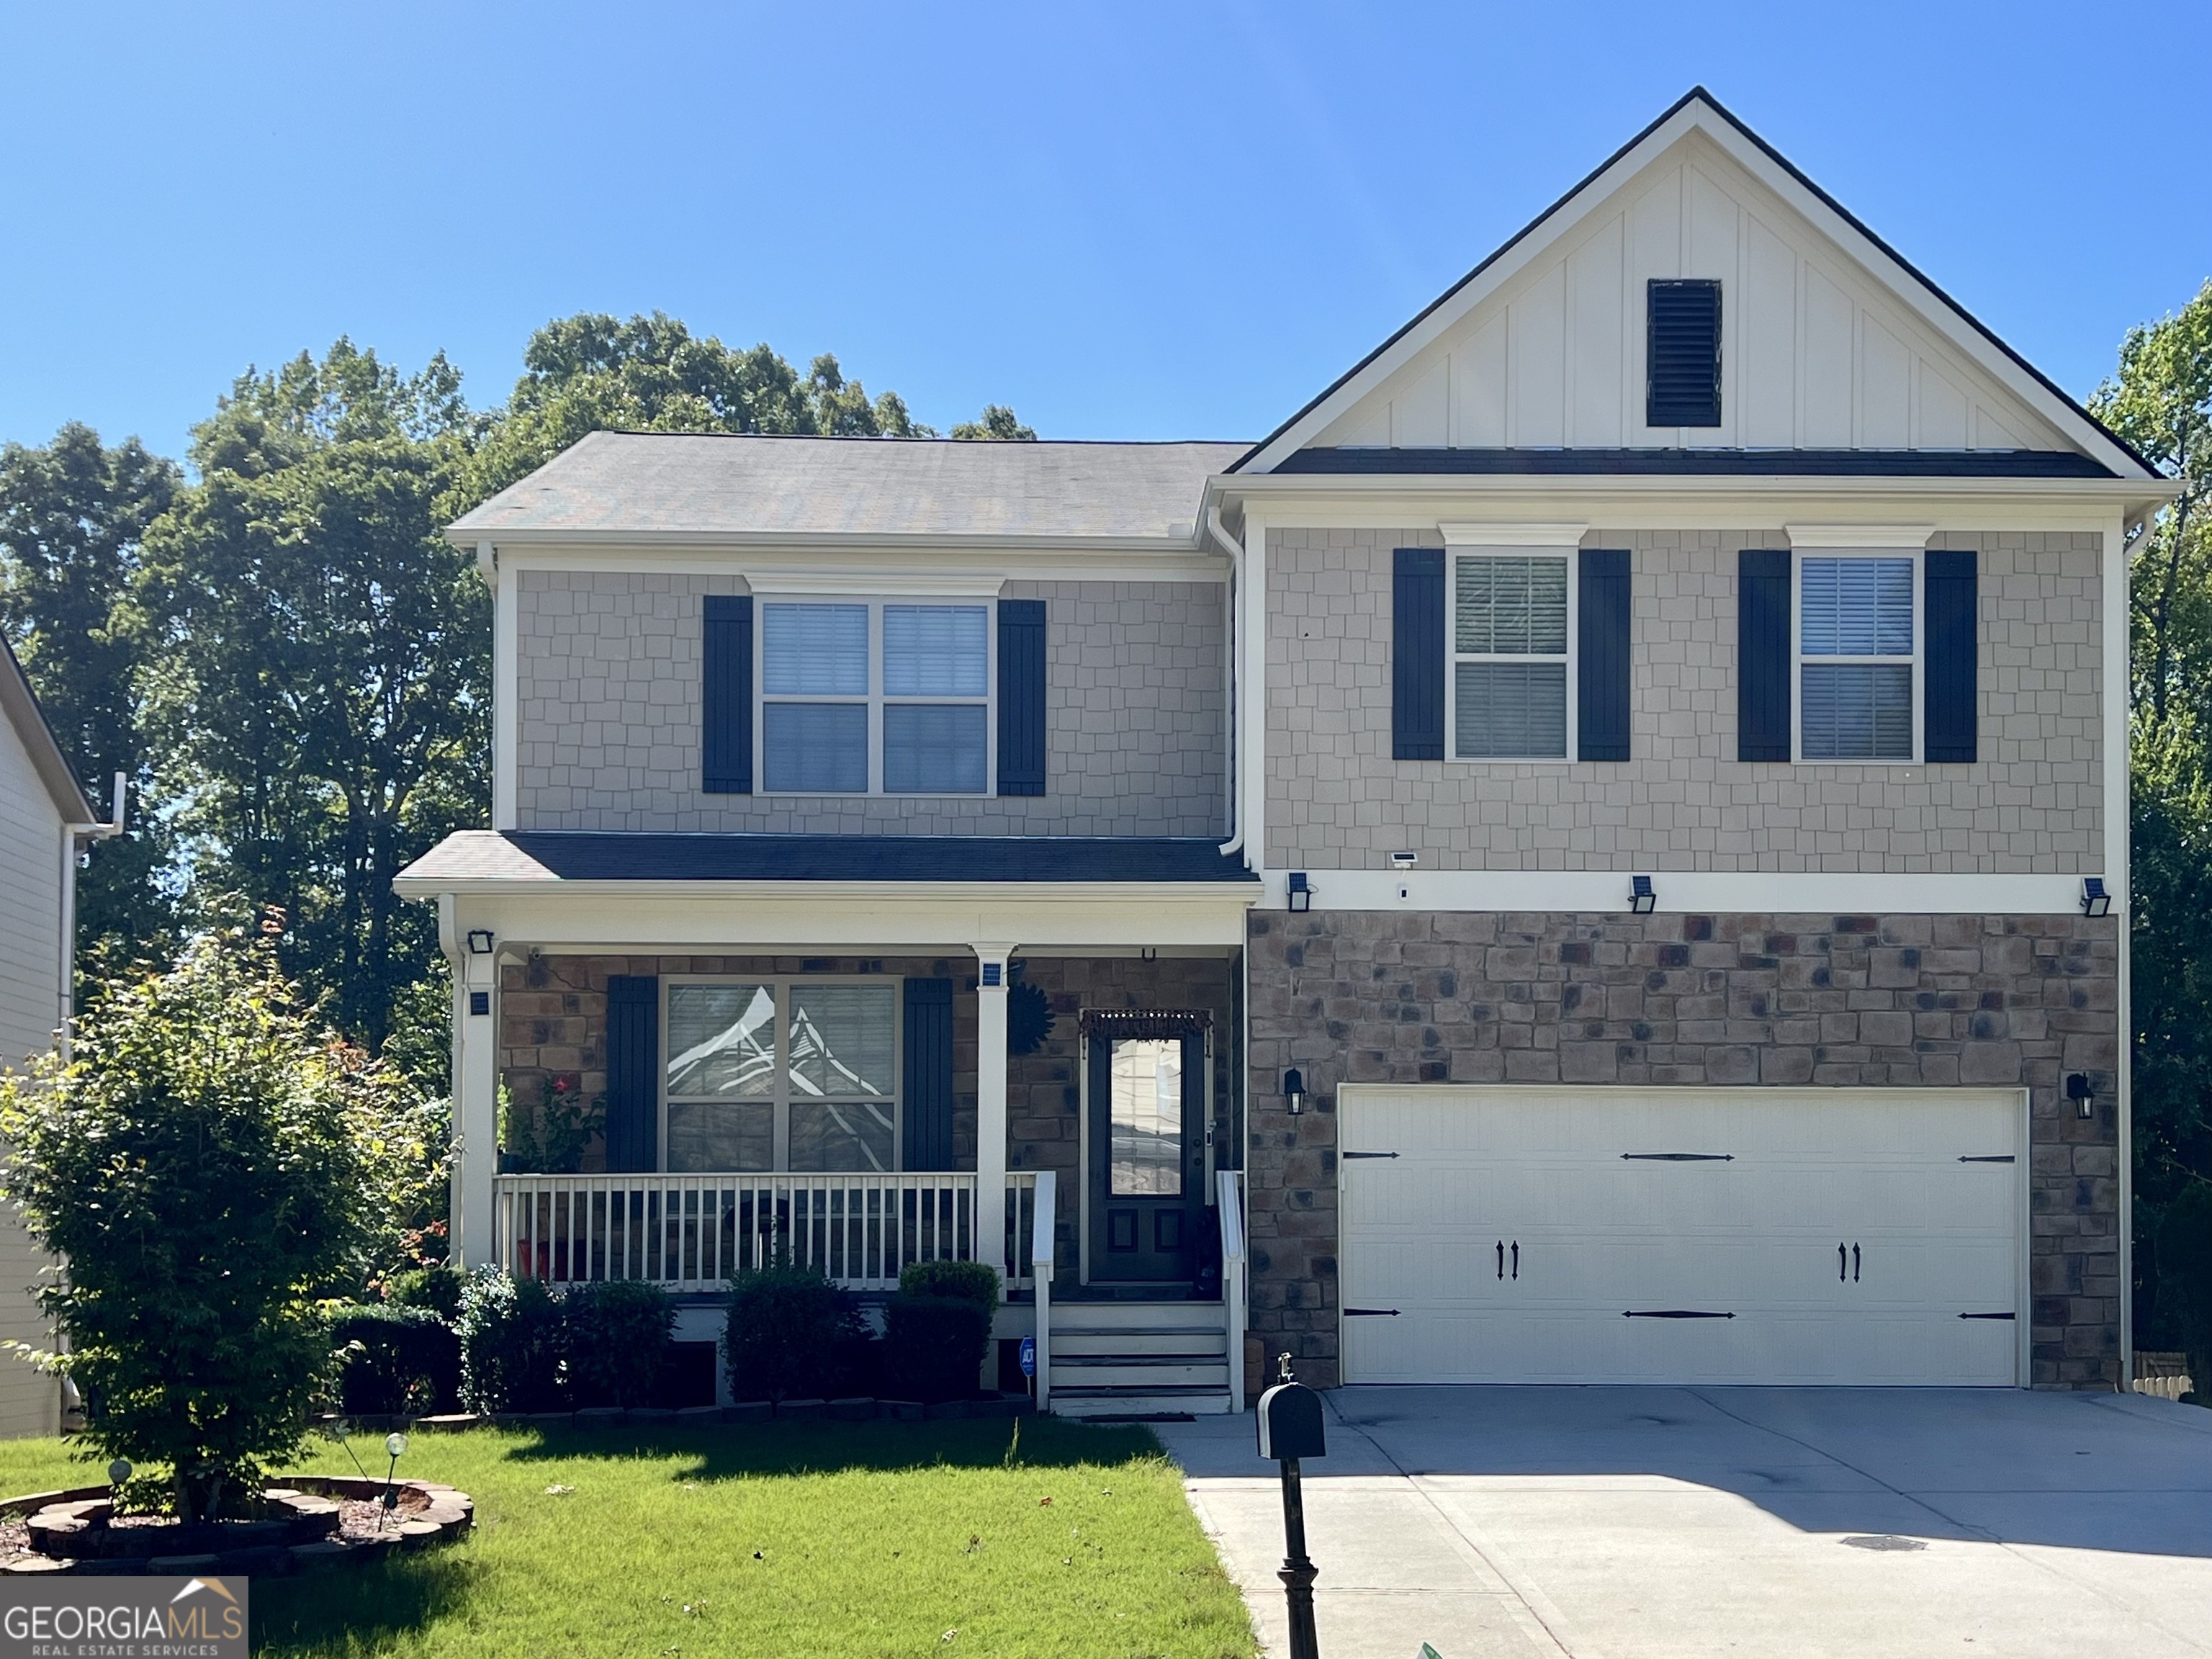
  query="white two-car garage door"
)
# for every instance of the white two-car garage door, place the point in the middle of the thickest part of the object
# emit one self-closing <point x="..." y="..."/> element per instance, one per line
<point x="1501" y="1235"/>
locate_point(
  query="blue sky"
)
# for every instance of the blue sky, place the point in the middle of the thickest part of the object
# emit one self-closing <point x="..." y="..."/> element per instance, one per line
<point x="1128" y="220"/>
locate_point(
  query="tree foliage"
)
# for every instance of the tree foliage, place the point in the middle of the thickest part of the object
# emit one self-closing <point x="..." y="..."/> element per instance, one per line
<point x="996" y="423"/>
<point x="318" y="666"/>
<point x="73" y="515"/>
<point x="211" y="1165"/>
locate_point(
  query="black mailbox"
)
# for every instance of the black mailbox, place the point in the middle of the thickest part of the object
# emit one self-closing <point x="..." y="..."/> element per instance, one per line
<point x="1290" y="1422"/>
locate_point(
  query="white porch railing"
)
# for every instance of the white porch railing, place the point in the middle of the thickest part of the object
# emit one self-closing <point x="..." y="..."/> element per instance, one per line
<point x="1234" y="1287"/>
<point x="691" y="1232"/>
<point x="1044" y="1226"/>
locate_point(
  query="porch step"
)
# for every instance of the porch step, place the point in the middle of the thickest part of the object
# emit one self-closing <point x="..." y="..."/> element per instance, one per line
<point x="1075" y="1315"/>
<point x="1150" y="1372"/>
<point x="1137" y="1402"/>
<point x="1081" y="1340"/>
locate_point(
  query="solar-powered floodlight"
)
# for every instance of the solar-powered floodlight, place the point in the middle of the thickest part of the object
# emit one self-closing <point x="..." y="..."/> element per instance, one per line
<point x="1641" y="899"/>
<point x="2095" y="900"/>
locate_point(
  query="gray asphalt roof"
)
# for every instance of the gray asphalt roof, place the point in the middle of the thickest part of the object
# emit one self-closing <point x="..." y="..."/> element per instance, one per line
<point x="647" y="483"/>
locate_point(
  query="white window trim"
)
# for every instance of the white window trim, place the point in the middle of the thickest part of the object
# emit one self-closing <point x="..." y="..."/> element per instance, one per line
<point x="781" y="1098"/>
<point x="1454" y="656"/>
<point x="875" y="699"/>
<point x="1797" y="658"/>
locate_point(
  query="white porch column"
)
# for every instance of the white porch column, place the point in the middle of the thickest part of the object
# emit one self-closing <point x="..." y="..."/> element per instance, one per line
<point x="476" y="1109"/>
<point x="991" y="1104"/>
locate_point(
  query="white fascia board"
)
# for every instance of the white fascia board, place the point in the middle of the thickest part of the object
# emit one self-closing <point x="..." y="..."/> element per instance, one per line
<point x="1505" y="534"/>
<point x="813" y="542"/>
<point x="790" y="566"/>
<point x="1703" y="892"/>
<point x="869" y="917"/>
<point x="1613" y="502"/>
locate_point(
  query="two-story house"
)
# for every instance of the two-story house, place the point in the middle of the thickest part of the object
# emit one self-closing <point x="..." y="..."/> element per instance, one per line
<point x="1596" y="852"/>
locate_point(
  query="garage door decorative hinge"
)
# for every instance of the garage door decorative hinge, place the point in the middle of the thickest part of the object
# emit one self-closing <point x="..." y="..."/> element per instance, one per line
<point x="1987" y="1158"/>
<point x="1990" y="1315"/>
<point x="1370" y="1313"/>
<point x="1680" y="1157"/>
<point x="1674" y="1313"/>
<point x="1367" y="1154"/>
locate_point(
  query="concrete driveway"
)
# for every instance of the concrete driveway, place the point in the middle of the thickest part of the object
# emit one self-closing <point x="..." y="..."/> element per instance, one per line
<point x="1758" y="1523"/>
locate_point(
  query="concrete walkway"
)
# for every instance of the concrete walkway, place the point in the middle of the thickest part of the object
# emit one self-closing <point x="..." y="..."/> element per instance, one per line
<point x="1757" y="1523"/>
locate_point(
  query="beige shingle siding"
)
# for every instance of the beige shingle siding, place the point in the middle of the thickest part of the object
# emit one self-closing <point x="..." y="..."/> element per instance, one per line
<point x="30" y="973"/>
<point x="608" y="727"/>
<point x="1336" y="799"/>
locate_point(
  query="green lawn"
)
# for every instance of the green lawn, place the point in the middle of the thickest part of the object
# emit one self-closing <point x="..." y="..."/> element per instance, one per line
<point x="1059" y="1541"/>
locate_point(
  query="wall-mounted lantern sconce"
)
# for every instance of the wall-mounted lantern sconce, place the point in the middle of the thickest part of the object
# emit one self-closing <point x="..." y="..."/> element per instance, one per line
<point x="1301" y="892"/>
<point x="1641" y="899"/>
<point x="2095" y="900"/>
<point x="2080" y="1090"/>
<point x="1294" y="1091"/>
<point x="1404" y="860"/>
<point x="479" y="941"/>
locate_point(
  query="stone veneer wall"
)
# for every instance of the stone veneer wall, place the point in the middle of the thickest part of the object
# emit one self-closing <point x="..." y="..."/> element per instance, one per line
<point x="1043" y="1094"/>
<point x="1337" y="801"/>
<point x="608" y="716"/>
<point x="553" y="1019"/>
<point x="1728" y="1000"/>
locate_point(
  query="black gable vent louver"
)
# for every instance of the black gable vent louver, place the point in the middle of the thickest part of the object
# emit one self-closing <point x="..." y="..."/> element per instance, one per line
<point x="1685" y="352"/>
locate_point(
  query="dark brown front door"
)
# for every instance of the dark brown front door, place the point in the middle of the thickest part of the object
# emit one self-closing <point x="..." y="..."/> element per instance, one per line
<point x="1147" y="1097"/>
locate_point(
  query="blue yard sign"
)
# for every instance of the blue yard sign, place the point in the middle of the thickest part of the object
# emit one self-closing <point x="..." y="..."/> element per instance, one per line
<point x="1028" y="1356"/>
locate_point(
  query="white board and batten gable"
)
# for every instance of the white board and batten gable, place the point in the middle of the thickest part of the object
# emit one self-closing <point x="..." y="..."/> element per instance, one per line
<point x="1829" y="342"/>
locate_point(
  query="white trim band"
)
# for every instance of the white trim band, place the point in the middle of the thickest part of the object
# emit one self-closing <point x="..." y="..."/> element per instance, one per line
<point x="1513" y="535"/>
<point x="1765" y="893"/>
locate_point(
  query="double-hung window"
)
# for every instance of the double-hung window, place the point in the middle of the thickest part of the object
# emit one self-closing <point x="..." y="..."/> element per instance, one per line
<point x="783" y="1074"/>
<point x="1511" y="620"/>
<point x="888" y="697"/>
<point x="1856" y="659"/>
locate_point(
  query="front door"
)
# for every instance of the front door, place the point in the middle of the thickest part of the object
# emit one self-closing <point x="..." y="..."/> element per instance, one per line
<point x="1147" y="1097"/>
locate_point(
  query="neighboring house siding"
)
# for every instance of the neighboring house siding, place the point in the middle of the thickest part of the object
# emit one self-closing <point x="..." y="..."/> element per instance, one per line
<point x="1734" y="1001"/>
<point x="609" y="716"/>
<point x="30" y="971"/>
<point x="1336" y="799"/>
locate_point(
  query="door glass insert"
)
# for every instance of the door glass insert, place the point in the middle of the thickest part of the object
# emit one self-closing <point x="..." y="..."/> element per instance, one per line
<point x="1145" y="1144"/>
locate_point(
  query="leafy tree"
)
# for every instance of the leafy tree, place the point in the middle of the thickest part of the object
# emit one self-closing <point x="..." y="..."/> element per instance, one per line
<point x="319" y="665"/>
<point x="593" y="373"/>
<point x="2161" y="401"/>
<point x="996" y="423"/>
<point x="72" y="517"/>
<point x="209" y="1166"/>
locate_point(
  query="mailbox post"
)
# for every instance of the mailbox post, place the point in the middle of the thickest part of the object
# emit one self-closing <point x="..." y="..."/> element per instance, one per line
<point x="1290" y="1428"/>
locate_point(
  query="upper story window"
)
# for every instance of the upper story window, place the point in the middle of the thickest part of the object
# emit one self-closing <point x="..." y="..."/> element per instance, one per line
<point x="1511" y="621"/>
<point x="1682" y="351"/>
<point x="876" y="697"/>
<point x="783" y="1074"/>
<point x="1857" y="661"/>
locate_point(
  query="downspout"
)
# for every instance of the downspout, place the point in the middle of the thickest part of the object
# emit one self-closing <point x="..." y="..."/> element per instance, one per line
<point x="1233" y="654"/>
<point x="72" y="835"/>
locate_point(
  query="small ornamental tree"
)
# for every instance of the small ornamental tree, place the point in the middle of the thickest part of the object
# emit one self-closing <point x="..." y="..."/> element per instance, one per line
<point x="206" y="1170"/>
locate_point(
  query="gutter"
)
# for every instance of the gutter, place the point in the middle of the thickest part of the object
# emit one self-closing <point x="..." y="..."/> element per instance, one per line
<point x="73" y="835"/>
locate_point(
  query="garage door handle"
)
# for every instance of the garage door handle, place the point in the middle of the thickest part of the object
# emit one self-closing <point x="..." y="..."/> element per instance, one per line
<point x="1517" y="1260"/>
<point x="1501" y="1260"/>
<point x="1987" y="1158"/>
<point x="2001" y="1315"/>
<point x="1680" y="1157"/>
<point x="1392" y="1313"/>
<point x="1369" y="1154"/>
<point x="1693" y="1313"/>
<point x="1855" y="1264"/>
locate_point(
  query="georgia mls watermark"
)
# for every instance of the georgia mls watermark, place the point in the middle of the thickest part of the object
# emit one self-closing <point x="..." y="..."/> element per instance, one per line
<point x="123" y="1618"/>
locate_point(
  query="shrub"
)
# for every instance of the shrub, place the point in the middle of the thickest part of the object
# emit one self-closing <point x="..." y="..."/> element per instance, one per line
<point x="933" y="1345"/>
<point x="2185" y="1278"/>
<point x="964" y="1281"/>
<point x="510" y="1338"/>
<point x="437" y="1288"/>
<point x="209" y="1167"/>
<point x="616" y="1336"/>
<point x="395" y="1360"/>
<point x="786" y="1324"/>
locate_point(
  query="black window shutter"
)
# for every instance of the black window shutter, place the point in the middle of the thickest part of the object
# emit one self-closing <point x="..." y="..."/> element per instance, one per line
<point x="726" y="695"/>
<point x="1762" y="655"/>
<point x="1417" y="654"/>
<point x="1601" y="663"/>
<point x="1682" y="384"/>
<point x="1950" y="612"/>
<point x="1021" y="704"/>
<point x="928" y="1075"/>
<point x="633" y="1072"/>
